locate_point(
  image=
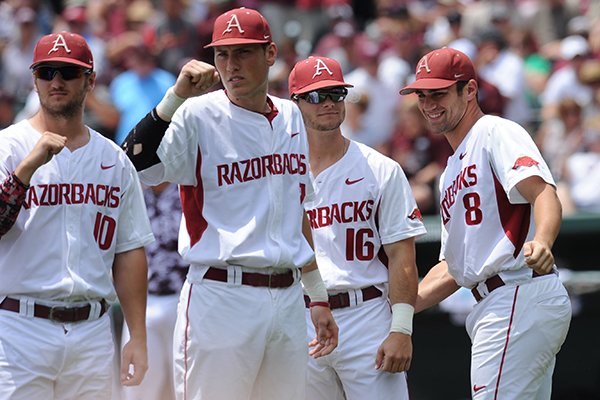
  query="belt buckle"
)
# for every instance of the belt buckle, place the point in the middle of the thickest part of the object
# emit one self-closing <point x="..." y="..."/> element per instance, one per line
<point x="55" y="313"/>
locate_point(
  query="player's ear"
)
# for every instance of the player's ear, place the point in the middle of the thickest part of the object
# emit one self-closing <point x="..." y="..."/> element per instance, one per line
<point x="271" y="53"/>
<point x="91" y="80"/>
<point x="472" y="88"/>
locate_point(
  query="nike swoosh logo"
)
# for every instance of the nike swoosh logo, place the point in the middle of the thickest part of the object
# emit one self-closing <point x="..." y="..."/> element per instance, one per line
<point x="478" y="388"/>
<point x="106" y="166"/>
<point x="349" y="182"/>
<point x="294" y="134"/>
<point x="462" y="155"/>
<point x="456" y="76"/>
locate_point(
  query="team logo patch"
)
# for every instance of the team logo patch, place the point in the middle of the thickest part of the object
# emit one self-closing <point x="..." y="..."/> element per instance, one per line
<point x="525" y="161"/>
<point x="416" y="214"/>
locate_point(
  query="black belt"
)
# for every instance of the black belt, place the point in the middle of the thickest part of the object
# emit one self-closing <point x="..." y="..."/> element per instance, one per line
<point x="342" y="300"/>
<point x="492" y="284"/>
<point x="55" y="313"/>
<point x="283" y="280"/>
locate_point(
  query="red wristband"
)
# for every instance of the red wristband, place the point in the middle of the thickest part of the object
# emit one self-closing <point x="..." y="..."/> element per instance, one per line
<point x="319" y="303"/>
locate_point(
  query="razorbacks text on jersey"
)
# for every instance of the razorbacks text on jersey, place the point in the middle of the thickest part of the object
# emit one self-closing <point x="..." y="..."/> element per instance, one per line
<point x="479" y="184"/>
<point x="83" y="207"/>
<point x="369" y="204"/>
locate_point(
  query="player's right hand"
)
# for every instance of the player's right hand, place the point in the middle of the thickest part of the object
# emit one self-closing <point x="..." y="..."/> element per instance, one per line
<point x="49" y="144"/>
<point x="195" y="78"/>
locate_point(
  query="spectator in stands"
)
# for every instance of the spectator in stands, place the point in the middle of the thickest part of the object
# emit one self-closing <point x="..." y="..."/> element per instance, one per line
<point x="564" y="82"/>
<point x="378" y="120"/>
<point x="500" y="66"/>
<point x="561" y="136"/>
<point x="175" y="36"/>
<point x="581" y="189"/>
<point x="137" y="90"/>
<point x="16" y="58"/>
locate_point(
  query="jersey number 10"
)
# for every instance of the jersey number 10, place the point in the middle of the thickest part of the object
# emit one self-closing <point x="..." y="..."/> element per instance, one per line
<point x="104" y="230"/>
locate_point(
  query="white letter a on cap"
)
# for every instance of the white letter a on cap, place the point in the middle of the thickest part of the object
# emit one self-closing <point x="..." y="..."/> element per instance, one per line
<point x="59" y="42"/>
<point x="320" y="67"/>
<point x="233" y="23"/>
<point x="423" y="63"/>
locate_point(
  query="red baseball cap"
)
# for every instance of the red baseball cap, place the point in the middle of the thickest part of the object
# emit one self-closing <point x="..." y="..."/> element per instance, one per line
<point x="440" y="69"/>
<point x="65" y="47"/>
<point x="315" y="73"/>
<point x="240" y="26"/>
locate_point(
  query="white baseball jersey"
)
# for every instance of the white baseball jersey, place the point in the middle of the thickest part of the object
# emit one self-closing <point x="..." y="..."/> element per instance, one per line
<point x="242" y="180"/>
<point x="81" y="209"/>
<point x="363" y="201"/>
<point x="485" y="220"/>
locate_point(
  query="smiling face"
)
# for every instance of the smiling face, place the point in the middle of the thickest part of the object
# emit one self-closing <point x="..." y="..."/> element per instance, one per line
<point x="443" y="109"/>
<point x="244" y="71"/>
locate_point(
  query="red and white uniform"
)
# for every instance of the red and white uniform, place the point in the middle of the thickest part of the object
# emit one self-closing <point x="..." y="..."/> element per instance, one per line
<point x="52" y="252"/>
<point x="242" y="181"/>
<point x="81" y="209"/>
<point x="361" y="202"/>
<point x="485" y="222"/>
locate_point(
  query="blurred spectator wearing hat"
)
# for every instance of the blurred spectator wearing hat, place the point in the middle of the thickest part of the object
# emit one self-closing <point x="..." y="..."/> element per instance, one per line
<point x="564" y="82"/>
<point x="17" y="55"/>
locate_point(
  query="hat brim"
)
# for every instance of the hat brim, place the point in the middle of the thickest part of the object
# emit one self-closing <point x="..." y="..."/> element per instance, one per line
<point x="62" y="60"/>
<point x="427" y="84"/>
<point x="234" y="41"/>
<point x="321" y="85"/>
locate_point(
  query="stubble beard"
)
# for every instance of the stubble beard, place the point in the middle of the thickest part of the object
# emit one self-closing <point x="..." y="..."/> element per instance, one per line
<point x="68" y="110"/>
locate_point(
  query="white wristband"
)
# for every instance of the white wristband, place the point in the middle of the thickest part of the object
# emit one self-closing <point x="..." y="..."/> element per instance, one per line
<point x="402" y="318"/>
<point x="169" y="104"/>
<point x="314" y="286"/>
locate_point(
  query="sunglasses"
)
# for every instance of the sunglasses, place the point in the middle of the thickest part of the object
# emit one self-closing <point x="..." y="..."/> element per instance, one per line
<point x="67" y="73"/>
<point x="319" y="96"/>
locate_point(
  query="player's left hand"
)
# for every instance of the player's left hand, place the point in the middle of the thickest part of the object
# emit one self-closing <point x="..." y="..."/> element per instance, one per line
<point x="538" y="256"/>
<point x="134" y="363"/>
<point x="326" y="329"/>
<point x="395" y="353"/>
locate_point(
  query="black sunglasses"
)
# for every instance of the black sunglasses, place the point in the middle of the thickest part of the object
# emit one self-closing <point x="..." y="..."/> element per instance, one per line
<point x="319" y="96"/>
<point x="67" y="73"/>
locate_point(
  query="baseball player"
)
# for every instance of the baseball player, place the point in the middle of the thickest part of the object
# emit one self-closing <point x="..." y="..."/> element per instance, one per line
<point x="364" y="221"/>
<point x="240" y="158"/>
<point x="72" y="229"/>
<point x="500" y="216"/>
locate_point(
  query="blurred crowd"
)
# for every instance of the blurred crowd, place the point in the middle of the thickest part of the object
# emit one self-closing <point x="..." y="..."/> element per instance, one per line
<point x="538" y="63"/>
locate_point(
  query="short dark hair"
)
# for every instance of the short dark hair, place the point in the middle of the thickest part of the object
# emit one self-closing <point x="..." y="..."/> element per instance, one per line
<point x="460" y="85"/>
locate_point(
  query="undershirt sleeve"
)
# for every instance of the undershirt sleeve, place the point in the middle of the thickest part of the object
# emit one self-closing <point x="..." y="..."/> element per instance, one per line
<point x="143" y="140"/>
<point x="12" y="196"/>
